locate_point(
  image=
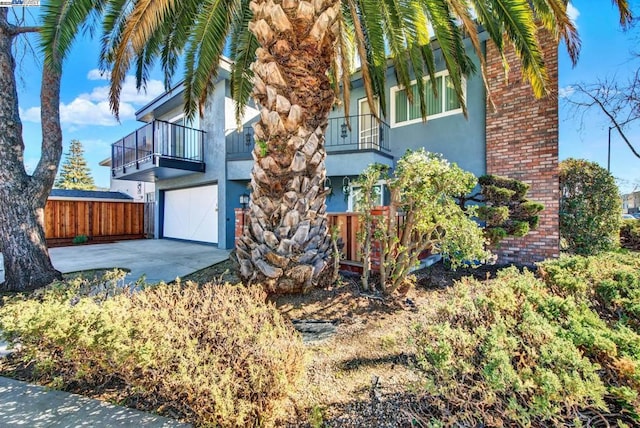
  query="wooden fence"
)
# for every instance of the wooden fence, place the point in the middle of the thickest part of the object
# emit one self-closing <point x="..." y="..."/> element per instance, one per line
<point x="100" y="221"/>
<point x="348" y="228"/>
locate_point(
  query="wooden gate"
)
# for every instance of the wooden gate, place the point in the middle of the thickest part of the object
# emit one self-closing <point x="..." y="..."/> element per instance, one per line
<point x="149" y="219"/>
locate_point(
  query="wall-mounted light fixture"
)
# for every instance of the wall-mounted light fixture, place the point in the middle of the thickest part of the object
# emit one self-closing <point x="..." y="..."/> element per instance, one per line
<point x="327" y="184"/>
<point x="343" y="130"/>
<point x="247" y="137"/>
<point x="244" y="200"/>
<point x="346" y="187"/>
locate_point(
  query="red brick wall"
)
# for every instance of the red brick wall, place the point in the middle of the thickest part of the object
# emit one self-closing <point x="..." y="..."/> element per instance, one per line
<point x="522" y="143"/>
<point x="241" y="222"/>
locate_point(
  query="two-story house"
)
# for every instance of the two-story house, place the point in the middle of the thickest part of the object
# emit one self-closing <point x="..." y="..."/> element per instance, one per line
<point x="201" y="168"/>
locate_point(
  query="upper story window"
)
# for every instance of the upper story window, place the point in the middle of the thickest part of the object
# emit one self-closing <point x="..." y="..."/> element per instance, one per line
<point x="445" y="104"/>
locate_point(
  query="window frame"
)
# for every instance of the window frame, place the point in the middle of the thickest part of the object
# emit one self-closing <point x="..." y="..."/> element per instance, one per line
<point x="352" y="187"/>
<point x="442" y="90"/>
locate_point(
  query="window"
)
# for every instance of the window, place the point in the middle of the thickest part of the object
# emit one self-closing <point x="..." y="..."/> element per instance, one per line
<point x="445" y="104"/>
<point x="355" y="195"/>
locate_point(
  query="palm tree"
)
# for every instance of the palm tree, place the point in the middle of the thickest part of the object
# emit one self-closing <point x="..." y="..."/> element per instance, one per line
<point x="295" y="57"/>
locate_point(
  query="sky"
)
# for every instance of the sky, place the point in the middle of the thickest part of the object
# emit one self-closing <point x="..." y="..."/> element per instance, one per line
<point x="85" y="113"/>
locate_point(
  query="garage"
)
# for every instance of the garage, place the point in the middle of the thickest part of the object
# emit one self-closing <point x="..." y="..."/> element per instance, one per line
<point x="192" y="214"/>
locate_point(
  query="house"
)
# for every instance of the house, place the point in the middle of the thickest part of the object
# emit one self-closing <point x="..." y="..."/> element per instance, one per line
<point x="631" y="203"/>
<point x="139" y="191"/>
<point x="201" y="168"/>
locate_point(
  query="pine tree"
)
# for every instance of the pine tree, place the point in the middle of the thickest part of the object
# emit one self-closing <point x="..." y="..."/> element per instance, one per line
<point x="74" y="172"/>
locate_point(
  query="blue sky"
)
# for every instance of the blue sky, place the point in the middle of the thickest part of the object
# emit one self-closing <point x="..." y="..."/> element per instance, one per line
<point x="85" y="113"/>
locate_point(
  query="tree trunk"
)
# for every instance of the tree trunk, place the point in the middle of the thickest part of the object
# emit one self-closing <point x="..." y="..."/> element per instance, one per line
<point x="287" y="245"/>
<point x="23" y="197"/>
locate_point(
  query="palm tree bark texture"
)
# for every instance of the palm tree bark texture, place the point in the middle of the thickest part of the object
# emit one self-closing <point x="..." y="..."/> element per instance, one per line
<point x="287" y="246"/>
<point x="23" y="197"/>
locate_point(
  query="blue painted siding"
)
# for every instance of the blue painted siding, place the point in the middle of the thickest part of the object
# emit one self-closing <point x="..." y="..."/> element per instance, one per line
<point x="459" y="139"/>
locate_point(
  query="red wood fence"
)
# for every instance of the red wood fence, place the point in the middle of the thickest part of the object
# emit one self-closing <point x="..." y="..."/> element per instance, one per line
<point x="100" y="221"/>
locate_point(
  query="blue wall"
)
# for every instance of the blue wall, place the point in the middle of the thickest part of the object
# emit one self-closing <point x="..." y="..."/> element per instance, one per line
<point x="460" y="140"/>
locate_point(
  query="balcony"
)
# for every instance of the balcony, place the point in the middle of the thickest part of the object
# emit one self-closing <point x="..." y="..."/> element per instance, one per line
<point x="350" y="149"/>
<point x="157" y="151"/>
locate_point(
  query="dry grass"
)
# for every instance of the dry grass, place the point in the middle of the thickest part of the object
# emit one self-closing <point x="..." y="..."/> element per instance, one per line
<point x="371" y="345"/>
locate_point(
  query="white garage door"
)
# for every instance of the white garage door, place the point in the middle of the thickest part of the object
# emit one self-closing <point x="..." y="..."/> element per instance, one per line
<point x="192" y="214"/>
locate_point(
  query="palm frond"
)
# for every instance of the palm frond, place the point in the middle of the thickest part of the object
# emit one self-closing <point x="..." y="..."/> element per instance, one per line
<point x="243" y="51"/>
<point x="346" y="47"/>
<point x="176" y="38"/>
<point x="520" y="27"/>
<point x="62" y="20"/>
<point x="140" y="24"/>
<point x="625" y="12"/>
<point x="553" y="15"/>
<point x="206" y="43"/>
<point x="362" y="52"/>
<point x="450" y="39"/>
<point x="375" y="56"/>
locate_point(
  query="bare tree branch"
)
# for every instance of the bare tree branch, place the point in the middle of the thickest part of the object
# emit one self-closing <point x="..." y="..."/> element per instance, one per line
<point x="620" y="102"/>
<point x="14" y="30"/>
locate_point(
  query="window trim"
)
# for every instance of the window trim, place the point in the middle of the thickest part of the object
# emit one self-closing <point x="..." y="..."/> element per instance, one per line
<point x="398" y="88"/>
<point x="351" y="200"/>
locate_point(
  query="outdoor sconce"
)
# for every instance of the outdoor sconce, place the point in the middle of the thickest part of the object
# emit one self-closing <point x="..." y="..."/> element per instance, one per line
<point x="328" y="188"/>
<point x="346" y="187"/>
<point x="244" y="200"/>
<point x="327" y="184"/>
<point x="343" y="130"/>
<point x="247" y="138"/>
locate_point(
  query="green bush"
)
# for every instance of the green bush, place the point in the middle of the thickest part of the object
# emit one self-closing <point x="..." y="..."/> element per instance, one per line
<point x="589" y="208"/>
<point x="512" y="352"/>
<point x="217" y="355"/>
<point x="506" y="211"/>
<point x="80" y="239"/>
<point x="423" y="188"/>
<point x="630" y="234"/>
<point x="609" y="283"/>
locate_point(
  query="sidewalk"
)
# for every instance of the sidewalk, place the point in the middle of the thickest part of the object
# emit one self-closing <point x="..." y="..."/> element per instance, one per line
<point x="25" y="405"/>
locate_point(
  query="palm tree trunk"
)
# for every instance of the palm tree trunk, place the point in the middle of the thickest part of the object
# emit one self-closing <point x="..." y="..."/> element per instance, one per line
<point x="23" y="197"/>
<point x="287" y="244"/>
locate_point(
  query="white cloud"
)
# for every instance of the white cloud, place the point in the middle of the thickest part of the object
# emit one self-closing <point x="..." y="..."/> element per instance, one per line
<point x="93" y="108"/>
<point x="573" y="13"/>
<point x="567" y="91"/>
<point x="82" y="111"/>
<point x="129" y="93"/>
<point x="96" y="74"/>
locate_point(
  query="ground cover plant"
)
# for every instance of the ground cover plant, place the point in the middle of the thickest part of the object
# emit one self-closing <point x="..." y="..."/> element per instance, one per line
<point x="555" y="347"/>
<point x="214" y="355"/>
<point x="512" y="352"/>
<point x="630" y="234"/>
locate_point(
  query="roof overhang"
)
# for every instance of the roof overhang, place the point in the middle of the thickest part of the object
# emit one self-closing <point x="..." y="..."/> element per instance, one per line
<point x="174" y="97"/>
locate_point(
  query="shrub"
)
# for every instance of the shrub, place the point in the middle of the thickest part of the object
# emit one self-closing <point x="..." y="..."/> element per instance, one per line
<point x="609" y="283"/>
<point x="506" y="212"/>
<point x="630" y="234"/>
<point x="511" y="352"/>
<point x="423" y="189"/>
<point x="589" y="208"/>
<point x="216" y="355"/>
<point x="80" y="239"/>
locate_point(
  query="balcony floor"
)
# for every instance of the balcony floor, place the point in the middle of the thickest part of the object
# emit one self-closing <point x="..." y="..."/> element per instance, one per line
<point x="162" y="168"/>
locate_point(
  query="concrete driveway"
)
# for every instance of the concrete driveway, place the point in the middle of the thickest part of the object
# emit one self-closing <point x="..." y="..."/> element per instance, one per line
<point x="157" y="259"/>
